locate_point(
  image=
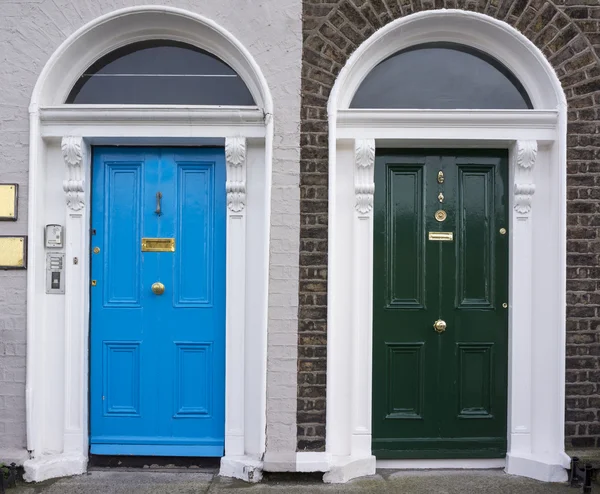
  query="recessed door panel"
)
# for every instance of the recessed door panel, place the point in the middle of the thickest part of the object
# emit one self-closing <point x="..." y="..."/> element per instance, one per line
<point x="195" y="222"/>
<point x="121" y="371"/>
<point x="476" y="385"/>
<point x="123" y="225"/>
<point x="440" y="279"/>
<point x="194" y="365"/>
<point x="405" y="253"/>
<point x="158" y="302"/>
<point x="405" y="392"/>
<point x="475" y="228"/>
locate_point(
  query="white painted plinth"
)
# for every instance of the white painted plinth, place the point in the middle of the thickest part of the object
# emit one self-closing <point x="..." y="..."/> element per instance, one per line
<point x="539" y="468"/>
<point x="46" y="467"/>
<point x="347" y="468"/>
<point x="241" y="467"/>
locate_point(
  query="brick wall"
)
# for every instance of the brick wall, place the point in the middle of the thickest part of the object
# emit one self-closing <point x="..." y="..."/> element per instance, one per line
<point x="568" y="33"/>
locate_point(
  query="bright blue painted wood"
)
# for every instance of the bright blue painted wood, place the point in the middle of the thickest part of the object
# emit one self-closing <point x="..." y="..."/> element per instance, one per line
<point x="156" y="450"/>
<point x="158" y="362"/>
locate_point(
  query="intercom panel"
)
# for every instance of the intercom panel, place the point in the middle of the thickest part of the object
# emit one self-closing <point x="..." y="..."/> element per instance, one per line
<point x="55" y="272"/>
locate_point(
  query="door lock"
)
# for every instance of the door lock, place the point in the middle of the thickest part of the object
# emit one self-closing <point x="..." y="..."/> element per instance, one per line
<point x="439" y="326"/>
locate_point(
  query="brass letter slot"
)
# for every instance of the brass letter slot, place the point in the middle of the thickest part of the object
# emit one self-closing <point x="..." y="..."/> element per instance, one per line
<point x="441" y="236"/>
<point x="158" y="245"/>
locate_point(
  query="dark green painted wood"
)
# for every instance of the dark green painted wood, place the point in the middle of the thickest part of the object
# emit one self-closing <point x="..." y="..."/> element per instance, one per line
<point x="440" y="395"/>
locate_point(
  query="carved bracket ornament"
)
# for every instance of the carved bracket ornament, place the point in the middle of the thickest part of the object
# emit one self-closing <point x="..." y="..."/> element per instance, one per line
<point x="72" y="150"/>
<point x="235" y="155"/>
<point x="524" y="186"/>
<point x="364" y="188"/>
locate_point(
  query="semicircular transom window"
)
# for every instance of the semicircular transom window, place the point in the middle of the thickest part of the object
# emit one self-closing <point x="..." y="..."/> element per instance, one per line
<point x="443" y="76"/>
<point x="160" y="72"/>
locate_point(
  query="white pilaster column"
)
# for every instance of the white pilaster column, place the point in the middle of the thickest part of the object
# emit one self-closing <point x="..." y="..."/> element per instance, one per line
<point x="521" y="331"/>
<point x="362" y="265"/>
<point x="76" y="157"/>
<point x="235" y="155"/>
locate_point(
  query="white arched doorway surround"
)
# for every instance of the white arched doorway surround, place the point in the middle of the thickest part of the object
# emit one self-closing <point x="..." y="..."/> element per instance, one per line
<point x="61" y="137"/>
<point x="536" y="140"/>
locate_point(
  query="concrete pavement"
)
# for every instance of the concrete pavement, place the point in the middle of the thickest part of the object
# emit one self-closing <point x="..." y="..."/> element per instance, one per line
<point x="147" y="481"/>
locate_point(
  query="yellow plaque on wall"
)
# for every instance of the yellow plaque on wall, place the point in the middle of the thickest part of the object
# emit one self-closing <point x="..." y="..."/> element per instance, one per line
<point x="13" y="252"/>
<point x="8" y="202"/>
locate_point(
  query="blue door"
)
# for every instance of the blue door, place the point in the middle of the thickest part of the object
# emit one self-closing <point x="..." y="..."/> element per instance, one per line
<point x="158" y="302"/>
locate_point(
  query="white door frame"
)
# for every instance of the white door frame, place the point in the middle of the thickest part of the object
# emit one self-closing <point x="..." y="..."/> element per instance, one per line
<point x="61" y="137"/>
<point x="536" y="140"/>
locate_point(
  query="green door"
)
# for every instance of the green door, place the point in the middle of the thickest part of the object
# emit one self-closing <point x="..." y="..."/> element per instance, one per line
<point x="440" y="393"/>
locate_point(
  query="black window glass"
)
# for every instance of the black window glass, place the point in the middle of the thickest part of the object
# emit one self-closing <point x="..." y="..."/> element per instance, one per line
<point x="163" y="73"/>
<point x="441" y="76"/>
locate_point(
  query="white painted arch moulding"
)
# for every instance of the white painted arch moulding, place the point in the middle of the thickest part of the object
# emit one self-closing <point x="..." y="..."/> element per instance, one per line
<point x="57" y="325"/>
<point x="537" y="229"/>
<point x="129" y="25"/>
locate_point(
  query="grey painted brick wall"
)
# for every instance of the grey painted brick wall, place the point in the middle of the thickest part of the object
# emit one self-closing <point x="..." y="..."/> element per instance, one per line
<point x="30" y="31"/>
<point x="568" y="33"/>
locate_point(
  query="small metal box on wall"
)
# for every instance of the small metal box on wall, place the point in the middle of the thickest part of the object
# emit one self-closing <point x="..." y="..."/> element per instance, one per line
<point x="9" y="195"/>
<point x="13" y="252"/>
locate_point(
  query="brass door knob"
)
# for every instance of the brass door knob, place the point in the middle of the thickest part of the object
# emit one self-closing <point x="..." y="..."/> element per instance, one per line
<point x="439" y="326"/>
<point x="158" y="288"/>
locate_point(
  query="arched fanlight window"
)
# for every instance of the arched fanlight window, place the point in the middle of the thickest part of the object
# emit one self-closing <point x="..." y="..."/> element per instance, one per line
<point x="441" y="76"/>
<point x="160" y="72"/>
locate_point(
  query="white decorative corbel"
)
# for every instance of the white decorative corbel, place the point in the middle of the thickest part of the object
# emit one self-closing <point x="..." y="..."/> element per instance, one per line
<point x="364" y="188"/>
<point x="526" y="154"/>
<point x="72" y="150"/>
<point x="235" y="154"/>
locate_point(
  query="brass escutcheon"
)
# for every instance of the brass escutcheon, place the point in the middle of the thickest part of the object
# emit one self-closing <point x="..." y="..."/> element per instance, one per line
<point x="441" y="197"/>
<point x="96" y="250"/>
<point x="440" y="215"/>
<point x="158" y="288"/>
<point x="439" y="326"/>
